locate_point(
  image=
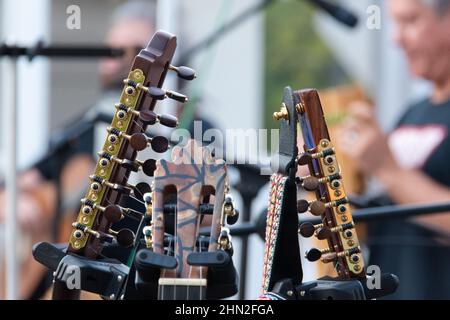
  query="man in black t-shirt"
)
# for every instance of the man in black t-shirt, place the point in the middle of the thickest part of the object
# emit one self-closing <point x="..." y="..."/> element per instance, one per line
<point x="411" y="163"/>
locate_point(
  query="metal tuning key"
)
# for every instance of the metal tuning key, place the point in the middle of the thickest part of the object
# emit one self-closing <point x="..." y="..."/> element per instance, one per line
<point x="184" y="72"/>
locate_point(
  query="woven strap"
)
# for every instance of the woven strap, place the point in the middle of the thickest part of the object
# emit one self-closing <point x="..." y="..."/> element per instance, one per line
<point x="272" y="228"/>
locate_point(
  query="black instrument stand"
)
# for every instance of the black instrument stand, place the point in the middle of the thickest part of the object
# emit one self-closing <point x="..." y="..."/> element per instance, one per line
<point x="334" y="289"/>
<point x="109" y="277"/>
<point x="104" y="276"/>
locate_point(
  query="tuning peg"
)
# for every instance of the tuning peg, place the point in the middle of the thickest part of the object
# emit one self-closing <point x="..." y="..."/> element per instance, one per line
<point x="107" y="158"/>
<point x="98" y="182"/>
<point x="125" y="237"/>
<point x="160" y="94"/>
<point x="154" y="92"/>
<point x="327" y="154"/>
<point x="304" y="159"/>
<point x="307" y="229"/>
<point x="139" y="141"/>
<point x="148" y="198"/>
<point x="142" y="188"/>
<point x="353" y="253"/>
<point x="147" y="117"/>
<point x="112" y="213"/>
<point x="314" y="254"/>
<point x="323" y="233"/>
<point x="312" y="183"/>
<point x="230" y="211"/>
<point x="149" y="167"/>
<point x="283" y="114"/>
<point x="317" y="208"/>
<point x="224" y="240"/>
<point x="232" y="219"/>
<point x="82" y="230"/>
<point x="184" y="72"/>
<point x="308" y="183"/>
<point x="302" y="206"/>
<point x="150" y="118"/>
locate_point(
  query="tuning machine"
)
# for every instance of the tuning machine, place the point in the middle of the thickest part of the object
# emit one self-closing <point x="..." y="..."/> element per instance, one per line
<point x="124" y="237"/>
<point x="283" y="114"/>
<point x="139" y="141"/>
<point x="97" y="183"/>
<point x="184" y="72"/>
<point x="154" y="92"/>
<point x="322" y="232"/>
<point x="224" y="241"/>
<point x="148" y="166"/>
<point x="327" y="256"/>
<point x="147" y="230"/>
<point x="141" y="189"/>
<point x="310" y="183"/>
<point x="318" y="208"/>
<point x="229" y="210"/>
<point x="306" y="158"/>
<point x="147" y="117"/>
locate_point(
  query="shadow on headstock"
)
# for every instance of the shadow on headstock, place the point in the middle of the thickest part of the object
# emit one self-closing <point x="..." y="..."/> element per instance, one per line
<point x="189" y="192"/>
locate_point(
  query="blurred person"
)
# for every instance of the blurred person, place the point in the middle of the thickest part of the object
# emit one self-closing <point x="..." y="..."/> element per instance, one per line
<point x="64" y="174"/>
<point x="411" y="162"/>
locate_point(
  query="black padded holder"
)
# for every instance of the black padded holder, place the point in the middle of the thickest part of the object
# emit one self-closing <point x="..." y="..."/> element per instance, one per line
<point x="222" y="275"/>
<point x="104" y="276"/>
<point x="209" y="259"/>
<point x="331" y="290"/>
<point x="328" y="288"/>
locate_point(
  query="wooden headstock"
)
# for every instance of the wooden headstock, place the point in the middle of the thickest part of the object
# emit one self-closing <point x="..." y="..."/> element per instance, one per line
<point x="188" y="192"/>
<point x="125" y="137"/>
<point x="326" y="181"/>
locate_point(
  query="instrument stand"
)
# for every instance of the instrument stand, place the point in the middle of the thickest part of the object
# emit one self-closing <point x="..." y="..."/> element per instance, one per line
<point x="105" y="276"/>
<point x="222" y="276"/>
<point x="113" y="280"/>
<point x="328" y="288"/>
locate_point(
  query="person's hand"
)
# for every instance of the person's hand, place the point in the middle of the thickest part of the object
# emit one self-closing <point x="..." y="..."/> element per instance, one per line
<point x="31" y="215"/>
<point x="361" y="138"/>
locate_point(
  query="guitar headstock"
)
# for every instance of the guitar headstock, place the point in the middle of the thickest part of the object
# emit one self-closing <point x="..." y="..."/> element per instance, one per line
<point x="189" y="192"/>
<point x="325" y="180"/>
<point x="125" y="137"/>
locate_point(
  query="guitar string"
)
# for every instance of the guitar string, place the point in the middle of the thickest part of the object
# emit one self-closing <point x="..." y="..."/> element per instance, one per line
<point x="176" y="247"/>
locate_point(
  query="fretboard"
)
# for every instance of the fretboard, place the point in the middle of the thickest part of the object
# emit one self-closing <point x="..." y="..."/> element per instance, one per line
<point x="181" y="289"/>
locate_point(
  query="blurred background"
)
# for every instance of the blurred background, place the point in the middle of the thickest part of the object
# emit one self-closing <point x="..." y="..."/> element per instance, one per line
<point x="241" y="78"/>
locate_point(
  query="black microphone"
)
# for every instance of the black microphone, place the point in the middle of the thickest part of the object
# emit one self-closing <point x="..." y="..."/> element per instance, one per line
<point x="339" y="13"/>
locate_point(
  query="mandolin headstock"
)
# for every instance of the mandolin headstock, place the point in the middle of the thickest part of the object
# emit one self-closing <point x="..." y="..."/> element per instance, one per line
<point x="189" y="192"/>
<point x="325" y="180"/>
<point x="125" y="137"/>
